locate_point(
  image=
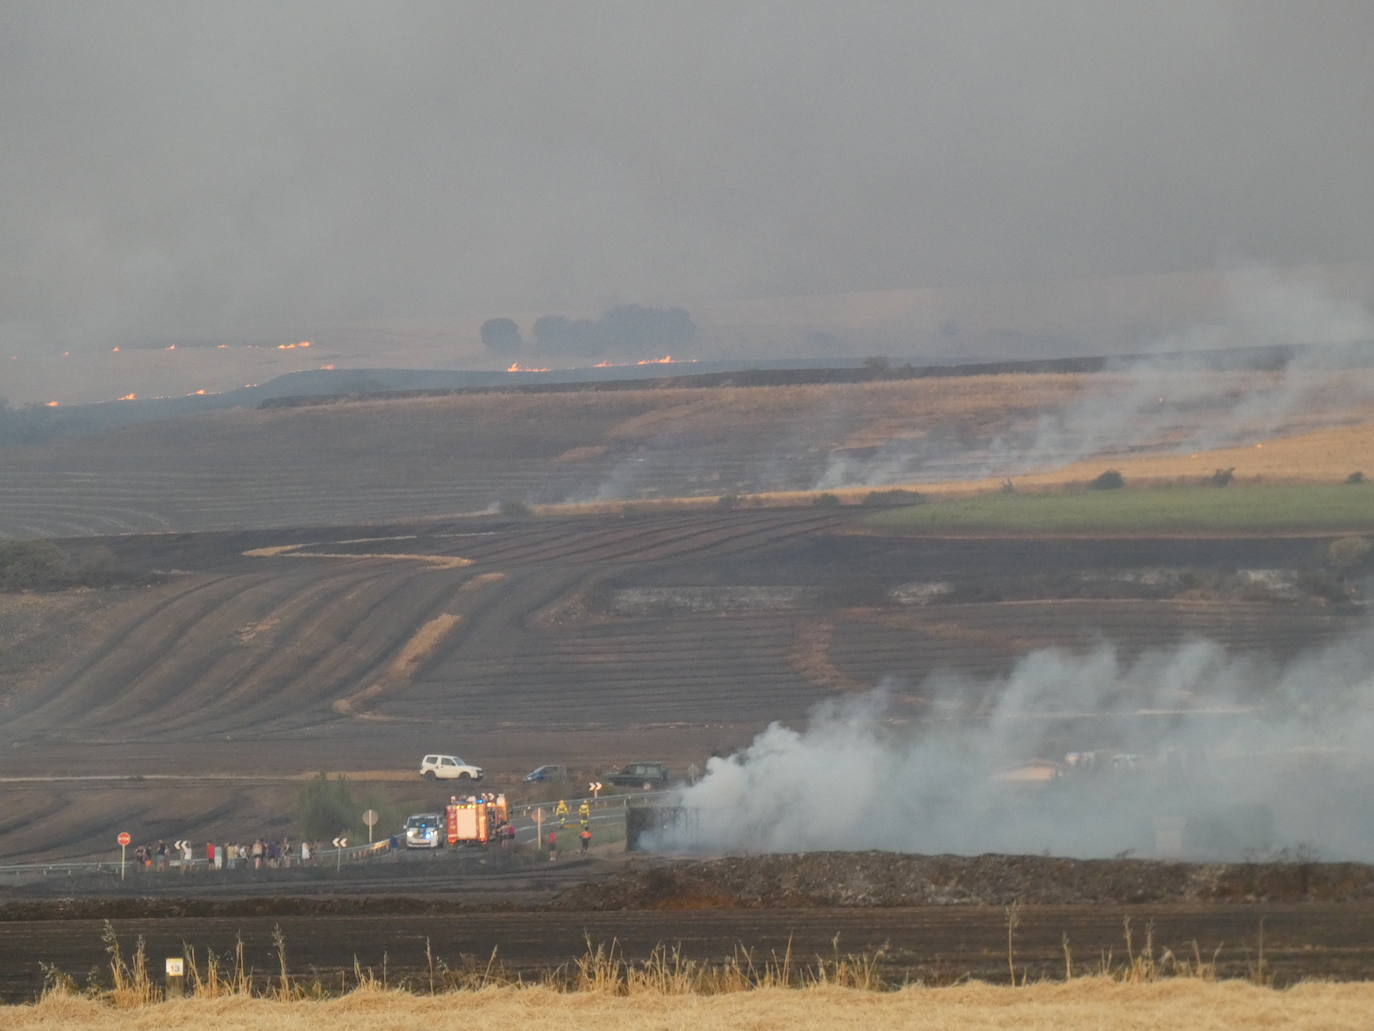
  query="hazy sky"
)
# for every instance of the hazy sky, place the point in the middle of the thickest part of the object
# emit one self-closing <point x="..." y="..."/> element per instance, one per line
<point x="184" y="167"/>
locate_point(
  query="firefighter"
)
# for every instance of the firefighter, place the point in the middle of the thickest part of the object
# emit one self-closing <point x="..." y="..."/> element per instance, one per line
<point x="584" y="812"/>
<point x="560" y="812"/>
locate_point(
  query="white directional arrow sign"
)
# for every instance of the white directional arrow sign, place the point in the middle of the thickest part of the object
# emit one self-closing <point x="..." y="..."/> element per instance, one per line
<point x="181" y="844"/>
<point x="341" y="843"/>
<point x="595" y="787"/>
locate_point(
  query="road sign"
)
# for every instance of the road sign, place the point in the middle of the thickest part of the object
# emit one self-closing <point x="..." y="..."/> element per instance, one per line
<point x="124" y="838"/>
<point x="370" y="818"/>
<point x="341" y="842"/>
<point x="181" y="844"/>
<point x="595" y="787"/>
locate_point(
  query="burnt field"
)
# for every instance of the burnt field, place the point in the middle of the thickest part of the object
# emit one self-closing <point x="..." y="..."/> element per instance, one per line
<point x="936" y="945"/>
<point x="586" y="640"/>
<point x="1288" y="921"/>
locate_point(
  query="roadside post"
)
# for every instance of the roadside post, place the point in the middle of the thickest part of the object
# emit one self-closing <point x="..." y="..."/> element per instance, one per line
<point x="539" y="829"/>
<point x="370" y="818"/>
<point x="124" y="838"/>
<point x="176" y="977"/>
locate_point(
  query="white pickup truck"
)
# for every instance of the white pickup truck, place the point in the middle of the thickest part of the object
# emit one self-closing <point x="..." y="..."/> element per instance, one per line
<point x="449" y="767"/>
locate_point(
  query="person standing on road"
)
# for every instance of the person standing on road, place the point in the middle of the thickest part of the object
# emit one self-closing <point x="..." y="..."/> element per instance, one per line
<point x="586" y="837"/>
<point x="553" y="846"/>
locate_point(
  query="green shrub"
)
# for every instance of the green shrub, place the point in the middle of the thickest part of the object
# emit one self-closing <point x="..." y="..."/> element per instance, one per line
<point x="1355" y="477"/>
<point x="826" y="500"/>
<point x="1345" y="554"/>
<point x="1110" y="480"/>
<point x="727" y="501"/>
<point x="1222" y="477"/>
<point x="26" y="565"/>
<point x="325" y="807"/>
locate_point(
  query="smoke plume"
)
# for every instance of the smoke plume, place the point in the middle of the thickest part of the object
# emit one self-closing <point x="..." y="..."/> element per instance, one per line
<point x="1189" y="750"/>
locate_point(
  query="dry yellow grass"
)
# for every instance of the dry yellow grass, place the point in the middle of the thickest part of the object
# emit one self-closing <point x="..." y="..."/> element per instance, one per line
<point x="293" y="551"/>
<point x="1095" y="1003"/>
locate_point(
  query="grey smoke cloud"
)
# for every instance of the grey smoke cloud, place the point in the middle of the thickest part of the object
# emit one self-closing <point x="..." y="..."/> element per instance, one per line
<point x="174" y="168"/>
<point x="1253" y="755"/>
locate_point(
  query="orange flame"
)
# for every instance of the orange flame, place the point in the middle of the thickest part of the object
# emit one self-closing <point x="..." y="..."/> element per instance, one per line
<point x="328" y="368"/>
<point x="604" y="365"/>
<point x="304" y="343"/>
<point x="66" y="354"/>
<point x="115" y="349"/>
<point x="220" y="347"/>
<point x="517" y="367"/>
<point x="196" y="393"/>
<point x="170" y="347"/>
<point x="667" y="359"/>
<point x="128" y="397"/>
<point x="50" y="404"/>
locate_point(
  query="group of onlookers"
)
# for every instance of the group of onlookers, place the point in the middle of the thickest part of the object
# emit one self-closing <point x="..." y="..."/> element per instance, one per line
<point x="276" y="854"/>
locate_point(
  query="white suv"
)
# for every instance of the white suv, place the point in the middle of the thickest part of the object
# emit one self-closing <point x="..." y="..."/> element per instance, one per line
<point x="449" y="767"/>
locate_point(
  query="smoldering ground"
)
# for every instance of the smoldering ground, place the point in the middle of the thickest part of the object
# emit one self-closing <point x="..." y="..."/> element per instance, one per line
<point x="1190" y="750"/>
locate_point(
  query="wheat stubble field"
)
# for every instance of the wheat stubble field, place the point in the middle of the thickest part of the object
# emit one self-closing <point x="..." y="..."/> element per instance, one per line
<point x="1082" y="1004"/>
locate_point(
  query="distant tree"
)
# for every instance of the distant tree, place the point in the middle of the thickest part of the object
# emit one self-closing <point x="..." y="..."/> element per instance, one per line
<point x="826" y="500"/>
<point x="1355" y="477"/>
<point x="1222" y="477"/>
<point x="628" y="330"/>
<point x="641" y="332"/>
<point x="502" y="336"/>
<point x="728" y="501"/>
<point x="325" y="807"/>
<point x="1110" y="480"/>
<point x="879" y="364"/>
<point x="26" y="565"/>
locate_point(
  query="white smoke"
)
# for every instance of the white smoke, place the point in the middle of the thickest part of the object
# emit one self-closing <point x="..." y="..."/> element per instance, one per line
<point x="1169" y="400"/>
<point x="1247" y="754"/>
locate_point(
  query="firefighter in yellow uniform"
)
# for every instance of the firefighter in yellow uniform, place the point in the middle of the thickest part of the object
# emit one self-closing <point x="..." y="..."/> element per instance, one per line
<point x="560" y="812"/>
<point x="584" y="813"/>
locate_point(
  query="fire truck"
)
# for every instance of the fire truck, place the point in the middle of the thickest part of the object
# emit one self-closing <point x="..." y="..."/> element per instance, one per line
<point x="476" y="819"/>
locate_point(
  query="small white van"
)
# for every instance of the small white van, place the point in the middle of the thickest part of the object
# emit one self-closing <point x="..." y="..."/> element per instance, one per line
<point x="449" y="767"/>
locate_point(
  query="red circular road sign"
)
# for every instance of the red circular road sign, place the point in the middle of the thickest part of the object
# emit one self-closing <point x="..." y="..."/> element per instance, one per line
<point x="124" y="838"/>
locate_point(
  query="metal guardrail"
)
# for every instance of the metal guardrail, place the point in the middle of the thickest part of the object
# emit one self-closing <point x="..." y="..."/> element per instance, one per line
<point x="604" y="808"/>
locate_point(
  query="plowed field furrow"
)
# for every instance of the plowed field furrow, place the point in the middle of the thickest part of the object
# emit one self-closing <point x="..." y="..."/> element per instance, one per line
<point x="525" y="547"/>
<point x="234" y="674"/>
<point x="634" y="540"/>
<point x="340" y="645"/>
<point x="155" y="679"/>
<point x="752" y="538"/>
<point x="187" y="599"/>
